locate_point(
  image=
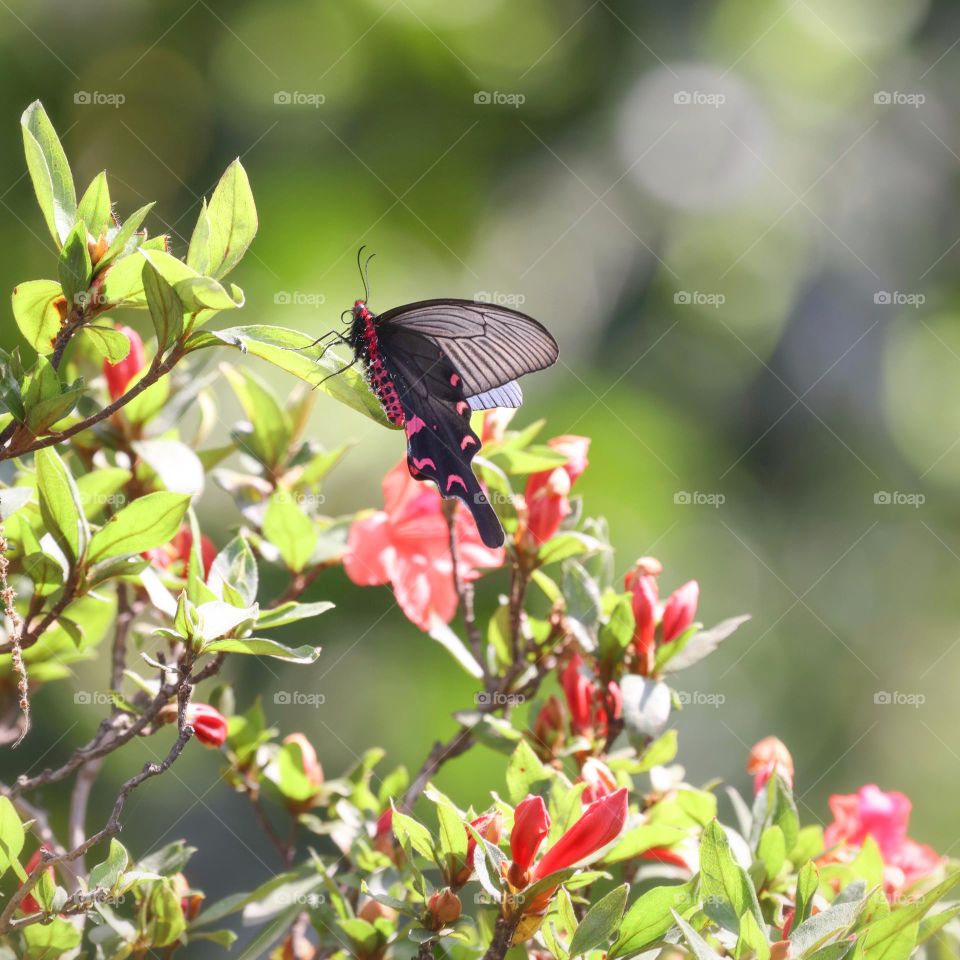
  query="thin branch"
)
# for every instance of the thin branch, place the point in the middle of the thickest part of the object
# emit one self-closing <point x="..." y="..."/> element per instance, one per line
<point x="32" y="634"/>
<point x="503" y="933"/>
<point x="8" y="602"/>
<point x="459" y="743"/>
<point x="284" y="848"/>
<point x="301" y="582"/>
<point x="464" y="590"/>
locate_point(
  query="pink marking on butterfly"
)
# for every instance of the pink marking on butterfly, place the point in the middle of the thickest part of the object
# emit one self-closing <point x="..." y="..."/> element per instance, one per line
<point x="420" y="464"/>
<point x="454" y="477"/>
<point x="466" y="441"/>
<point x="414" y="425"/>
<point x="454" y="380"/>
<point x="462" y="407"/>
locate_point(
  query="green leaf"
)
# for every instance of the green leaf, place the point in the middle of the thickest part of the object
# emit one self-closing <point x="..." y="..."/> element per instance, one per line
<point x="290" y="530"/>
<point x="524" y="772"/>
<point x="46" y="400"/>
<point x="49" y="171"/>
<point x="166" y="310"/>
<point x="11" y="839"/>
<point x="600" y="923"/>
<point x="290" y="612"/>
<point x="177" y="467"/>
<point x="752" y="941"/>
<point x="935" y="923"/>
<point x="261" y="647"/>
<point x="108" y="873"/>
<point x="12" y="499"/>
<point x="126" y="240"/>
<point x="724" y="885"/>
<point x="109" y="342"/>
<point x="808" y="880"/>
<point x="447" y="637"/>
<point x="198" y="254"/>
<point x="410" y="833"/>
<point x="568" y="544"/>
<point x="60" y="504"/>
<point x="46" y="941"/>
<point x="288" y="350"/>
<point x="205" y="293"/>
<point x="691" y="648"/>
<point x="452" y="845"/>
<point x="94" y="206"/>
<point x="772" y="851"/>
<point x="148" y="522"/>
<point x="617" y="633"/>
<point x="74" y="265"/>
<point x="236" y="566"/>
<point x="232" y="218"/>
<point x="166" y="915"/>
<point x="269" y="433"/>
<point x="34" y="309"/>
<point x="829" y="925"/>
<point x="701" y="949"/>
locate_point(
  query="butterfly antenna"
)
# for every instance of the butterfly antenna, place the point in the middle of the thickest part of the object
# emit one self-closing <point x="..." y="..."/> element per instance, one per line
<point x="366" y="277"/>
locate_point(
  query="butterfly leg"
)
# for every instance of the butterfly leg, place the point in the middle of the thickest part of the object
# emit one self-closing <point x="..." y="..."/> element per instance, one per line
<point x="336" y="373"/>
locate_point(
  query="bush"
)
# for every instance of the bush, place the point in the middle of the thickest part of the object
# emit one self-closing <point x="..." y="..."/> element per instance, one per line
<point x="593" y="846"/>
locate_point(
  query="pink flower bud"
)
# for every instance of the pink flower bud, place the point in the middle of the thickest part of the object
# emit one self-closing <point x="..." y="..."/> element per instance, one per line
<point x="119" y="375"/>
<point x="679" y="610"/>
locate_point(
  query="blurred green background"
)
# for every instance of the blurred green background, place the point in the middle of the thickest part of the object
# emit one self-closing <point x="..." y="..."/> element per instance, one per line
<point x="741" y="221"/>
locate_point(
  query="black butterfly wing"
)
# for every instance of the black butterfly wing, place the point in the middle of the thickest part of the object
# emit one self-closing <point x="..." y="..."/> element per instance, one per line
<point x="488" y="345"/>
<point x="440" y="442"/>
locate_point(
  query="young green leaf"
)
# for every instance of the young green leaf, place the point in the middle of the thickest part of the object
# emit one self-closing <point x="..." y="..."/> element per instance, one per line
<point x="724" y="884"/>
<point x="261" y="647"/>
<point x="109" y="342"/>
<point x="701" y="949"/>
<point x="60" y="504"/>
<point x="126" y="239"/>
<point x="290" y="530"/>
<point x="49" y="171"/>
<point x="107" y="874"/>
<point x="650" y="917"/>
<point x="74" y="265"/>
<point x="808" y="879"/>
<point x="232" y="219"/>
<point x="36" y="308"/>
<point x="166" y="310"/>
<point x="94" y="206"/>
<point x="600" y="923"/>
<point x="148" y="522"/>
<point x="11" y="839"/>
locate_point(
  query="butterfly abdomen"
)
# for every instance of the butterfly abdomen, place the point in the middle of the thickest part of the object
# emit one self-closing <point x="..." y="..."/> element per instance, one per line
<point x="377" y="374"/>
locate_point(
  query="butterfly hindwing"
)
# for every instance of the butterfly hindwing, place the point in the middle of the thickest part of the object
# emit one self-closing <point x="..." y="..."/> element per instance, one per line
<point x="488" y="345"/>
<point x="440" y="441"/>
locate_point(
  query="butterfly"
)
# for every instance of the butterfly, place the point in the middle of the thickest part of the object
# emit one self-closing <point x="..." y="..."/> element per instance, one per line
<point x="431" y="364"/>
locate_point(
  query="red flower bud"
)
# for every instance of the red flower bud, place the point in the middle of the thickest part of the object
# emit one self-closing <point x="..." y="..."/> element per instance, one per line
<point x="190" y="900"/>
<point x="490" y="827"/>
<point x="531" y="824"/>
<point x="665" y="855"/>
<point x="119" y="375"/>
<point x="548" y="728"/>
<point x="601" y="823"/>
<point x="29" y="903"/>
<point x="679" y="610"/>
<point x="308" y="758"/>
<point x="444" y="907"/>
<point x="599" y="779"/>
<point x="767" y="757"/>
<point x="580" y="693"/>
<point x="548" y="503"/>
<point x="209" y="725"/>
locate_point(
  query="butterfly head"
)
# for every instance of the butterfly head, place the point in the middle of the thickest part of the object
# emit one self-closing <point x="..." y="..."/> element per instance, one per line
<point x="360" y="310"/>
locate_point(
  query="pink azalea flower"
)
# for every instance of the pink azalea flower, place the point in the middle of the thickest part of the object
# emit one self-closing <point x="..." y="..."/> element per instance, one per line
<point x="407" y="545"/>
<point x="885" y="817"/>
<point x="547" y="492"/>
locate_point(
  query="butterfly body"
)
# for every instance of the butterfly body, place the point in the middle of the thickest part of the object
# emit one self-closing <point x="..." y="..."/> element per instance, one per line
<point x="431" y="364"/>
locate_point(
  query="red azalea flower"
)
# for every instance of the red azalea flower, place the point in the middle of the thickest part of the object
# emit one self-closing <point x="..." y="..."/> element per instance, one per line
<point x="665" y="855"/>
<point x="601" y="824"/>
<point x="531" y="824"/>
<point x="209" y="725"/>
<point x="679" y="610"/>
<point x="588" y="707"/>
<point x="308" y="758"/>
<point x="642" y="583"/>
<point x="599" y="779"/>
<point x="178" y="551"/>
<point x="885" y="817"/>
<point x="551" y="722"/>
<point x="769" y="756"/>
<point x="490" y="827"/>
<point x="119" y="375"/>
<point x="547" y="493"/>
<point x="407" y="544"/>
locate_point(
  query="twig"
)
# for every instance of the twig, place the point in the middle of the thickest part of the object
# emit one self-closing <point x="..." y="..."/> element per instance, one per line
<point x="156" y="371"/>
<point x="284" y="848"/>
<point x="459" y="743"/>
<point x="301" y="582"/>
<point x="32" y="634"/>
<point x="8" y="599"/>
<point x="503" y="936"/>
<point x="426" y="951"/>
<point x="464" y="590"/>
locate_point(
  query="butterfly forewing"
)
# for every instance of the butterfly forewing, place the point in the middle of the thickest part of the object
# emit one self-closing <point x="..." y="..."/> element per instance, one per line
<point x="488" y="345"/>
<point x="440" y="441"/>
